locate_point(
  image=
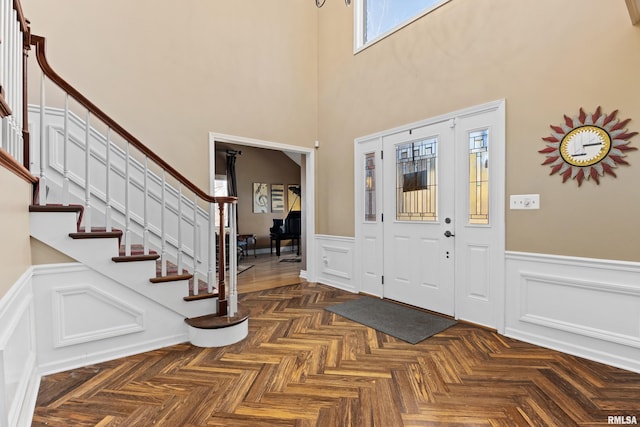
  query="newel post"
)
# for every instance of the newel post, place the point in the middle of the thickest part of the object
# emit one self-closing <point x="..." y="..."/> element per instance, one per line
<point x="222" y="291"/>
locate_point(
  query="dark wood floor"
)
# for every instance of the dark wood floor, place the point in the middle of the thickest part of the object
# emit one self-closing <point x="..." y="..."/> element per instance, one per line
<point x="304" y="366"/>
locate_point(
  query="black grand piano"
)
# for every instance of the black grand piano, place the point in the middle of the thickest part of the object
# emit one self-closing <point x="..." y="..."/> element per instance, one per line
<point x="288" y="229"/>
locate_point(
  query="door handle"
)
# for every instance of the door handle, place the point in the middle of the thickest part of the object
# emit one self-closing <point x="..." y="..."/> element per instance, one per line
<point x="449" y="234"/>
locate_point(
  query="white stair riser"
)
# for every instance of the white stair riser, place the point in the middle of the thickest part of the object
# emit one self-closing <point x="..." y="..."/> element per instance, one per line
<point x="53" y="223"/>
<point x="53" y="228"/>
<point x="219" y="337"/>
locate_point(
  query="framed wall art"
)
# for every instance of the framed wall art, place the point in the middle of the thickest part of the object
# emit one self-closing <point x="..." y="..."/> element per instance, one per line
<point x="260" y="197"/>
<point x="277" y="197"/>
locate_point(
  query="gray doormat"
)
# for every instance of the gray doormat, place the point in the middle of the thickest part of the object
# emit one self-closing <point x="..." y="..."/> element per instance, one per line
<point x="393" y="319"/>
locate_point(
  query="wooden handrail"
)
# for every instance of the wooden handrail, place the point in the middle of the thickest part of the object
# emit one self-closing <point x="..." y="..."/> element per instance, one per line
<point x="5" y="110"/>
<point x="14" y="166"/>
<point x="24" y="24"/>
<point x="39" y="43"/>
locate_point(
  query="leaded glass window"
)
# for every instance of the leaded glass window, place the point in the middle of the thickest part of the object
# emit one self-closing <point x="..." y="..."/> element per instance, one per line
<point x="479" y="177"/>
<point x="370" y="187"/>
<point x="416" y="180"/>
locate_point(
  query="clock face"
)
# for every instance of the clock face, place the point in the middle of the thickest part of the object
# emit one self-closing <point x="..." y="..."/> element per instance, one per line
<point x="585" y="146"/>
<point x="588" y="146"/>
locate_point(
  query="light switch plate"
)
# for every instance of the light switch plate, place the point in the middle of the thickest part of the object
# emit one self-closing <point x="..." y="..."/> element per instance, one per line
<point x="524" y="201"/>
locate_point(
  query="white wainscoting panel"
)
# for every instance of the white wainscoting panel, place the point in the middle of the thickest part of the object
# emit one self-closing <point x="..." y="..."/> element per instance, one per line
<point x="336" y="261"/>
<point x="83" y="317"/>
<point x="75" y="320"/>
<point x="586" y="307"/>
<point x="18" y="372"/>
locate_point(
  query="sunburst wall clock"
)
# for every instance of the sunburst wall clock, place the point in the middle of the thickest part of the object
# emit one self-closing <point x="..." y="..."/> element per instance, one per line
<point x="587" y="146"/>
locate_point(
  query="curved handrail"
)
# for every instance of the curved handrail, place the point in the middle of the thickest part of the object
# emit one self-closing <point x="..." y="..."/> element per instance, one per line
<point x="39" y="43"/>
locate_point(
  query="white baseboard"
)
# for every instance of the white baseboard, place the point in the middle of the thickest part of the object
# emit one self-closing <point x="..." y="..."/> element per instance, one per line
<point x="585" y="307"/>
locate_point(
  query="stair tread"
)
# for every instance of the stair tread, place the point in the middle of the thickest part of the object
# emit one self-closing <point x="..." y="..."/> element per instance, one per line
<point x="137" y="250"/>
<point x="204" y="295"/>
<point x="170" y="278"/>
<point x="96" y="233"/>
<point x="214" y="321"/>
<point x="135" y="257"/>
<point x="56" y="208"/>
<point x="78" y="209"/>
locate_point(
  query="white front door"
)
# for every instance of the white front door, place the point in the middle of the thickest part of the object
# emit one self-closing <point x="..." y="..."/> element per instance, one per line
<point x="441" y="245"/>
<point x="419" y="214"/>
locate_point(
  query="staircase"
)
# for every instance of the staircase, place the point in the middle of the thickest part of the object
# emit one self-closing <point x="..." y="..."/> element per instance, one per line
<point x="109" y="202"/>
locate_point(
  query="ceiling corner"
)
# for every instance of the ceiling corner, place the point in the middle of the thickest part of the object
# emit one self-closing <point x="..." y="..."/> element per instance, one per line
<point x="634" y="11"/>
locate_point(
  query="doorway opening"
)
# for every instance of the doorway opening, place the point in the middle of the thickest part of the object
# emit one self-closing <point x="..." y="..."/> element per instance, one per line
<point x="305" y="183"/>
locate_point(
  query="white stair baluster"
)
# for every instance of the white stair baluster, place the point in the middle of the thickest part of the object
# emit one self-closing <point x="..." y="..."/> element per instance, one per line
<point x="145" y="233"/>
<point x="180" y="228"/>
<point x="107" y="185"/>
<point x="65" y="154"/>
<point x="195" y="245"/>
<point x="14" y="95"/>
<point x="127" y="207"/>
<point x="163" y="228"/>
<point x="232" y="292"/>
<point x="87" y="174"/>
<point x="3" y="49"/>
<point x="42" y="185"/>
<point x="4" y="55"/>
<point x="11" y="83"/>
<point x="211" y="258"/>
<point x="20" y="103"/>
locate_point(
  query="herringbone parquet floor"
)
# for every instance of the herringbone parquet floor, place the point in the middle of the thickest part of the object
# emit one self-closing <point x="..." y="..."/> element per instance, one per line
<point x="304" y="366"/>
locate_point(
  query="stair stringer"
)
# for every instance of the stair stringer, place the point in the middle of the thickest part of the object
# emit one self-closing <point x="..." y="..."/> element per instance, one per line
<point x="53" y="228"/>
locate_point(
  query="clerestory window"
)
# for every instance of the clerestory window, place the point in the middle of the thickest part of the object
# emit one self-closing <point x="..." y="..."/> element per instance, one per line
<point x="376" y="19"/>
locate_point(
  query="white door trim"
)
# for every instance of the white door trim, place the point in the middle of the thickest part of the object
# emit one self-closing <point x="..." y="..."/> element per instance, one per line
<point x="308" y="179"/>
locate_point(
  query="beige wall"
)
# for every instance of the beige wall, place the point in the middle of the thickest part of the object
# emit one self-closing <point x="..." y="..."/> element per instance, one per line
<point x="15" y="256"/>
<point x="170" y="72"/>
<point x="264" y="166"/>
<point x="42" y="253"/>
<point x="545" y="58"/>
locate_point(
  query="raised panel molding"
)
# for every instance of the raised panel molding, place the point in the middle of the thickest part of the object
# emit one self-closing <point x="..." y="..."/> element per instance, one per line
<point x="83" y="314"/>
<point x="336" y="261"/>
<point x="478" y="284"/>
<point x="606" y="311"/>
<point x="587" y="307"/>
